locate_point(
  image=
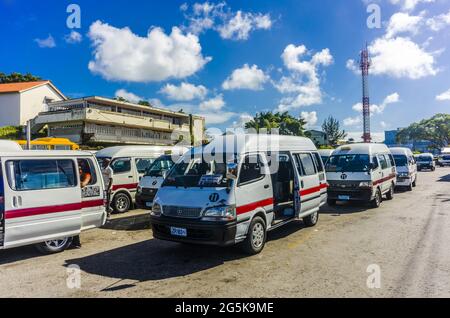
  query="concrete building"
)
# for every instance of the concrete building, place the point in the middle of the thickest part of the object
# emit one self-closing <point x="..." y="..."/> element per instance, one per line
<point x="318" y="137"/>
<point x="98" y="121"/>
<point x="20" y="102"/>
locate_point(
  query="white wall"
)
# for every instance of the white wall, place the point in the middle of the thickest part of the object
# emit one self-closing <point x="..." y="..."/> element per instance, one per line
<point x="9" y="109"/>
<point x="32" y="101"/>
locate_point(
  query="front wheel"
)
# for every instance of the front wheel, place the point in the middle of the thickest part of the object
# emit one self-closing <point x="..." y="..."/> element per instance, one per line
<point x="414" y="184"/>
<point x="311" y="220"/>
<point x="377" y="201"/>
<point x="390" y="194"/>
<point x="256" y="237"/>
<point x="54" y="246"/>
<point x="121" y="203"/>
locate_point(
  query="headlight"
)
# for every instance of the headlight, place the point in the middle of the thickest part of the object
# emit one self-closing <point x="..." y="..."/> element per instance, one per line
<point x="403" y="174"/>
<point x="221" y="212"/>
<point x="156" y="209"/>
<point x="366" y="184"/>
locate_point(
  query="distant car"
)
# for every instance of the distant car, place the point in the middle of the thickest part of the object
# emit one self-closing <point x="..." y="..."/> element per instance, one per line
<point x="444" y="160"/>
<point x="425" y="161"/>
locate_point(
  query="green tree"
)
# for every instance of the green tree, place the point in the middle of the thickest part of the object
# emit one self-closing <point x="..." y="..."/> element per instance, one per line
<point x="332" y="128"/>
<point x="144" y="103"/>
<point x="436" y="130"/>
<point x="286" y="123"/>
<point x="17" y="78"/>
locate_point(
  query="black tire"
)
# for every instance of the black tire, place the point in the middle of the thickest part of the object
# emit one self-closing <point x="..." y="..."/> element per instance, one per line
<point x="414" y="184"/>
<point x="54" y="246"/>
<point x="121" y="203"/>
<point x="391" y="193"/>
<point x="331" y="202"/>
<point x="256" y="237"/>
<point x="311" y="220"/>
<point x="434" y="169"/>
<point x="375" y="203"/>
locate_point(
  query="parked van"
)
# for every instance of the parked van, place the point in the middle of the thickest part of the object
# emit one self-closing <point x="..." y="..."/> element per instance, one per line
<point x="425" y="161"/>
<point x="361" y="172"/>
<point x="6" y="145"/>
<point x="154" y="177"/>
<point x="444" y="160"/>
<point x="406" y="167"/>
<point x="42" y="201"/>
<point x="325" y="154"/>
<point x="129" y="164"/>
<point x="253" y="184"/>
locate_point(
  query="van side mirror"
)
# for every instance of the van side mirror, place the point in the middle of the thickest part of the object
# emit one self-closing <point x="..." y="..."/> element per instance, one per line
<point x="232" y="169"/>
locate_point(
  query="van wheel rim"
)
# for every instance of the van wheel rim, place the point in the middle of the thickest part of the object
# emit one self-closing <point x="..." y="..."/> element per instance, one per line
<point x="56" y="244"/>
<point x="314" y="218"/>
<point x="258" y="235"/>
<point x="122" y="204"/>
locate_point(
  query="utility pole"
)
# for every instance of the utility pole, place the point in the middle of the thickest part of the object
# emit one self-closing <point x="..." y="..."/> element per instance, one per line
<point x="365" y="64"/>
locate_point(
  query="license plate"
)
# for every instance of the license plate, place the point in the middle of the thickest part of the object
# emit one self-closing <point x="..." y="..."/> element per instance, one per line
<point x="149" y="204"/>
<point x="344" y="197"/>
<point x="176" y="231"/>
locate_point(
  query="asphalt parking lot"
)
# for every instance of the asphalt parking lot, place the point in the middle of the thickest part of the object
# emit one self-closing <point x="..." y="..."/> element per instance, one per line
<point x="407" y="239"/>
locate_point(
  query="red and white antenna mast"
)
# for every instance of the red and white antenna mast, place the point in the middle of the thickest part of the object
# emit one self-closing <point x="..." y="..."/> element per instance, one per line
<point x="365" y="64"/>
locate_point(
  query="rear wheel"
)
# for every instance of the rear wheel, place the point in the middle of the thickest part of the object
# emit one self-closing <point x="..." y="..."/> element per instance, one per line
<point x="311" y="220"/>
<point x="390" y="194"/>
<point x="121" y="203"/>
<point x="377" y="201"/>
<point x="54" y="246"/>
<point x="256" y="237"/>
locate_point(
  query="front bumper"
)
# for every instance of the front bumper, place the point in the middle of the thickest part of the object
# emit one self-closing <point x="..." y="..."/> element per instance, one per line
<point x="143" y="199"/>
<point x="361" y="195"/>
<point x="404" y="181"/>
<point x="425" y="166"/>
<point x="198" y="232"/>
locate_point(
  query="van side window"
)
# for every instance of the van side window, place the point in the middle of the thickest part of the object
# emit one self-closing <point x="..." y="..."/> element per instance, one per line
<point x="121" y="165"/>
<point x="318" y="161"/>
<point x="87" y="167"/>
<point x="383" y="161"/>
<point x="307" y="162"/>
<point x="251" y="170"/>
<point x="41" y="174"/>
<point x="142" y="164"/>
<point x="375" y="163"/>
<point x="391" y="161"/>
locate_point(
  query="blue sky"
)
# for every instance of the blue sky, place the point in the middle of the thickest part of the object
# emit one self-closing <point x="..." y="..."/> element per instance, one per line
<point x="229" y="60"/>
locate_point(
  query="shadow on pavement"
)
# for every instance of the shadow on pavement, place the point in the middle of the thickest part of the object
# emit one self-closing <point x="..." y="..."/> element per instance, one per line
<point x="18" y="254"/>
<point x="345" y="208"/>
<point x="130" y="223"/>
<point x="444" y="178"/>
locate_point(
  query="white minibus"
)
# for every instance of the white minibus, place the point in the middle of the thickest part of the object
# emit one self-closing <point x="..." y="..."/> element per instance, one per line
<point x="11" y="146"/>
<point x="425" y="161"/>
<point x="48" y="197"/>
<point x="129" y="164"/>
<point x="361" y="172"/>
<point x="406" y="167"/>
<point x="238" y="188"/>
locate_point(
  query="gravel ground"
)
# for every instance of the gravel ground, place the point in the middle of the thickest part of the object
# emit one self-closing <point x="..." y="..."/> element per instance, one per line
<point x="408" y="239"/>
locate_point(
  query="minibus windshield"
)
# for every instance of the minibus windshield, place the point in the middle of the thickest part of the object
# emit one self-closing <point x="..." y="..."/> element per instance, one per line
<point x="401" y="161"/>
<point x="425" y="159"/>
<point x="198" y="173"/>
<point x="348" y="163"/>
<point x="158" y="167"/>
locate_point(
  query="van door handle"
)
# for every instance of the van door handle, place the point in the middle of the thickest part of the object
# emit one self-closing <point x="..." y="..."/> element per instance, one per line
<point x="266" y="186"/>
<point x="130" y="177"/>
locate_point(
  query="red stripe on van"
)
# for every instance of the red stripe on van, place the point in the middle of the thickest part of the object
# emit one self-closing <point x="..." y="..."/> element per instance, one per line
<point x="253" y="206"/>
<point x="52" y="209"/>
<point x="313" y="190"/>
<point x="392" y="176"/>
<point x="131" y="186"/>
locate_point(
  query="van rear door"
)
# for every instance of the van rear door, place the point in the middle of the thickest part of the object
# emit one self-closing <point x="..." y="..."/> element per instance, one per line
<point x="43" y="200"/>
<point x="310" y="188"/>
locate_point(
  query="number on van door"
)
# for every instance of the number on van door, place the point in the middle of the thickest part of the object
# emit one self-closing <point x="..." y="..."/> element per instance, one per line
<point x="309" y="182"/>
<point x="45" y="201"/>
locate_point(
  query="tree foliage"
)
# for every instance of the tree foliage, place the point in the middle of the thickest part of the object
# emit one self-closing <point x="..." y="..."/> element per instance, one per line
<point x="332" y="128"/>
<point x="436" y="130"/>
<point x="17" y="78"/>
<point x="286" y="124"/>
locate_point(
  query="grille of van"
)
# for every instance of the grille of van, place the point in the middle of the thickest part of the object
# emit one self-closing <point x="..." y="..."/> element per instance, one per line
<point x="344" y="184"/>
<point x="182" y="212"/>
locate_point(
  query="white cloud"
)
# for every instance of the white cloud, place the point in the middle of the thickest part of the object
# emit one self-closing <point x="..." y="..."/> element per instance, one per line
<point x="49" y="42"/>
<point x="251" y="78"/>
<point x="133" y="98"/>
<point x="213" y="104"/>
<point x="379" y="109"/>
<point x="352" y="121"/>
<point x="243" y="119"/>
<point x="383" y="124"/>
<point x="352" y="66"/>
<point x="357" y="136"/>
<point x="184" y="92"/>
<point x="303" y="84"/>
<point x="400" y="57"/>
<point x="310" y="118"/>
<point x="402" y="22"/>
<point x="444" y="96"/>
<point x="73" y="37"/>
<point x="409" y="5"/>
<point x="119" y="54"/>
<point x="214" y="118"/>
<point x="439" y="22"/>
<point x="219" y="17"/>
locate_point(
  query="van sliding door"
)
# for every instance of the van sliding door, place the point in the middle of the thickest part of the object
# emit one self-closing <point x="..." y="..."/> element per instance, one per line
<point x="2" y="207"/>
<point x="43" y="200"/>
<point x="310" y="189"/>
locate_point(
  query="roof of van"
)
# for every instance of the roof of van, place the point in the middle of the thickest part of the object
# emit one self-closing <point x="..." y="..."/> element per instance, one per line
<point x="7" y="145"/>
<point x="326" y="152"/>
<point x="362" y="148"/>
<point x="130" y="151"/>
<point x="254" y="143"/>
<point x="401" y="151"/>
<point x="44" y="153"/>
